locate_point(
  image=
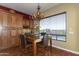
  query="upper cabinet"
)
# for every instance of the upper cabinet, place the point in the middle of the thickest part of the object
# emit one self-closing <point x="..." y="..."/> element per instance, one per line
<point x="13" y="20"/>
<point x="26" y="22"/>
<point x="19" y="20"/>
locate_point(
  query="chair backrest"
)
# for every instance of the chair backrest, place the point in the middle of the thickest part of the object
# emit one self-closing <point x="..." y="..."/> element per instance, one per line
<point x="41" y="37"/>
<point x="45" y="40"/>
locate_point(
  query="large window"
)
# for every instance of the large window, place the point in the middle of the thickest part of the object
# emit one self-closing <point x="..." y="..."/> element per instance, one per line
<point x="55" y="26"/>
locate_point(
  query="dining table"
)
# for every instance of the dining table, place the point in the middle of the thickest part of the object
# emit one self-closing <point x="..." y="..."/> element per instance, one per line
<point x="34" y="41"/>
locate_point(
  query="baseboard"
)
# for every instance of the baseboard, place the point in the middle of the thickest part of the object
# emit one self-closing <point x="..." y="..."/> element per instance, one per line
<point x="66" y="49"/>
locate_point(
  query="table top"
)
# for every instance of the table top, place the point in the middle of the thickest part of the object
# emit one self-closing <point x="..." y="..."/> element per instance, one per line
<point x="32" y="38"/>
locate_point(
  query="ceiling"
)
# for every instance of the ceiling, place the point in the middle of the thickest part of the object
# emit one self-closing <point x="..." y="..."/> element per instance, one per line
<point x="29" y="8"/>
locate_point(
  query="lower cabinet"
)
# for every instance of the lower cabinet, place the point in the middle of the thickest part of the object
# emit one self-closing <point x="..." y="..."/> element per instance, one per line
<point x="9" y="38"/>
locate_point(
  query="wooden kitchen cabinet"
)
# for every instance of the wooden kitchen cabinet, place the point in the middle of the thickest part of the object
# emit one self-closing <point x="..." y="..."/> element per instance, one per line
<point x="11" y="25"/>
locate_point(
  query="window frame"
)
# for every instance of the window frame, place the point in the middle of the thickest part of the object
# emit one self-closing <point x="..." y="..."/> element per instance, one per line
<point x="65" y="23"/>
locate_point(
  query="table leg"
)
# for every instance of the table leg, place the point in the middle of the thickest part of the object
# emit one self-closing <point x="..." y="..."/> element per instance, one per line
<point x="34" y="48"/>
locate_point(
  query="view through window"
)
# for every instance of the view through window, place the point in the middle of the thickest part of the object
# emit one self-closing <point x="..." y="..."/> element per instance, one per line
<point x="55" y="26"/>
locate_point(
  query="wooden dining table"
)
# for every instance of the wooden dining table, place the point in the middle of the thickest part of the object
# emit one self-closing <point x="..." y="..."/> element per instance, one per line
<point x="34" y="41"/>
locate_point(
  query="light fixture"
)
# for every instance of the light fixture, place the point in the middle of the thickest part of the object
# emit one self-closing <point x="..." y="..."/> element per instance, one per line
<point x="38" y="15"/>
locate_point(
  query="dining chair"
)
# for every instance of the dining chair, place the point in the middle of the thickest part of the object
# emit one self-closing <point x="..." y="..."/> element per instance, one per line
<point x="45" y="45"/>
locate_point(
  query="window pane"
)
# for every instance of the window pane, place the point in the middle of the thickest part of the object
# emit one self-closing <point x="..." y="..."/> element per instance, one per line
<point x="62" y="38"/>
<point x="55" y="25"/>
<point x="54" y="37"/>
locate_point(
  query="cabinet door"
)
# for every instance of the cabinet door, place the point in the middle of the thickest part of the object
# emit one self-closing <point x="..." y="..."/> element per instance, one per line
<point x="24" y="22"/>
<point x="9" y="39"/>
<point x="4" y="39"/>
<point x="30" y="23"/>
<point x="1" y="18"/>
<point x="5" y="19"/>
<point x="19" y="21"/>
<point x="9" y="20"/>
<point x="27" y="22"/>
<point x="0" y="40"/>
<point x="18" y="36"/>
<point x="1" y="29"/>
<point x="14" y="20"/>
<point x="14" y="37"/>
<point x="10" y="42"/>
